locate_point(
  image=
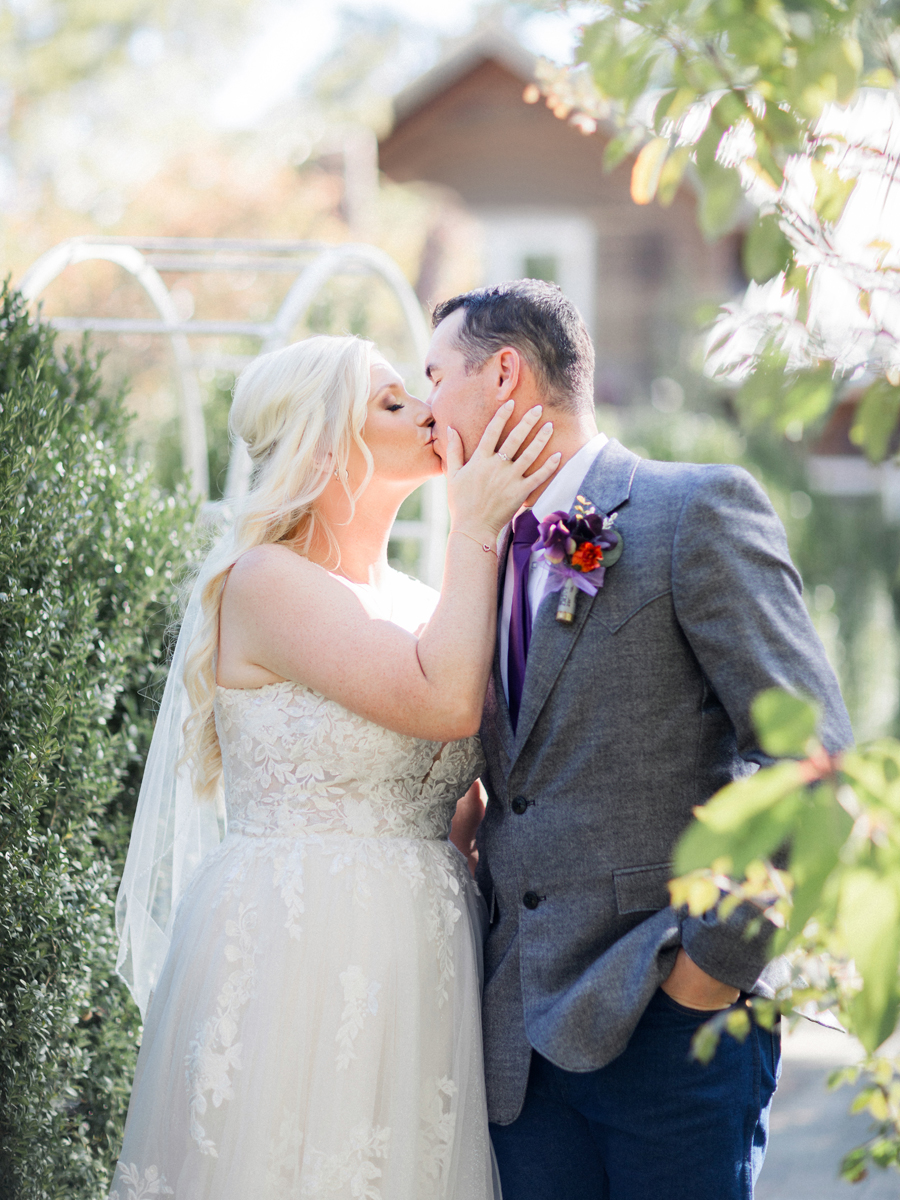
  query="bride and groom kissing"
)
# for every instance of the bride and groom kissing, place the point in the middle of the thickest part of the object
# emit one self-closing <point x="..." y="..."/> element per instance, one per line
<point x="333" y="1008"/>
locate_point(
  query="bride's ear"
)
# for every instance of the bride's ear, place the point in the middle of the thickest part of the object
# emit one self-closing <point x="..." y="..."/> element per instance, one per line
<point x="327" y="463"/>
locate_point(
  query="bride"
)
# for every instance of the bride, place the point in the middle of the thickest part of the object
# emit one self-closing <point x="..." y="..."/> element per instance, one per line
<point x="311" y="982"/>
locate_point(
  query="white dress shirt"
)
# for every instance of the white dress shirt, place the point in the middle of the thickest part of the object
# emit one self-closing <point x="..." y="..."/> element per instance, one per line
<point x="559" y="496"/>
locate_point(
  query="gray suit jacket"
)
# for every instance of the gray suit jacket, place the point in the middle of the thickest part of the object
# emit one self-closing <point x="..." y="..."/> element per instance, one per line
<point x="630" y="716"/>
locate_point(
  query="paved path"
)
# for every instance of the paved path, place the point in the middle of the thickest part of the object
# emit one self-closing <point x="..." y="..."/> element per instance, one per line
<point x="811" y="1128"/>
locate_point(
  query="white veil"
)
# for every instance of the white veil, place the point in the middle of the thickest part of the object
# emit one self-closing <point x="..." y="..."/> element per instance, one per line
<point x="172" y="831"/>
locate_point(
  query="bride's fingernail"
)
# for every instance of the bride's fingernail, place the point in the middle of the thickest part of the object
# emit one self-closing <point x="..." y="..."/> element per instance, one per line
<point x="538" y="408"/>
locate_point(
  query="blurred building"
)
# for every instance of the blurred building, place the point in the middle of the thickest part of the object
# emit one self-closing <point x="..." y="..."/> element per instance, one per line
<point x="547" y="209"/>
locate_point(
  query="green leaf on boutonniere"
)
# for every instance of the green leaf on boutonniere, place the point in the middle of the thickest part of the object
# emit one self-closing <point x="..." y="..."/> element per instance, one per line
<point x="614" y="553"/>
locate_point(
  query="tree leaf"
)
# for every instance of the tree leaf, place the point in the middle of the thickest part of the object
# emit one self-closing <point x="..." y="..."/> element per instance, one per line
<point x="764" y="176"/>
<point x="806" y="397"/>
<point x="874" y="773"/>
<point x="827" y="69"/>
<point x="853" y="1165"/>
<point x="821" y="830"/>
<point x="647" y="168"/>
<point x="700" y="894"/>
<point x="706" y="147"/>
<point x="759" y="397"/>
<point x="747" y="820"/>
<point x="728" y="110"/>
<point x="737" y="1023"/>
<point x="869" y="922"/>
<point x="674" y="105"/>
<point x="671" y="175"/>
<point x="705" y="1042"/>
<point x="719" y="201"/>
<point x="832" y="192"/>
<point x="731" y="808"/>
<point x="784" y="723"/>
<point x="749" y="834"/>
<point x="766" y="250"/>
<point x="881" y="77"/>
<point x="876" y="419"/>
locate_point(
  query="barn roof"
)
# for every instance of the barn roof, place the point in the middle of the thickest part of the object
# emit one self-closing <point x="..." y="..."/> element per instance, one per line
<point x="482" y="46"/>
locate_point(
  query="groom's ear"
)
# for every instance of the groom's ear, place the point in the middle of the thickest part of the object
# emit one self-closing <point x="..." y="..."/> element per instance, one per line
<point x="507" y="372"/>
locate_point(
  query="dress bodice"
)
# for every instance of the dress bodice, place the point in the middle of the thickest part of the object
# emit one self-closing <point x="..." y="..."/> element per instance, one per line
<point x="297" y="763"/>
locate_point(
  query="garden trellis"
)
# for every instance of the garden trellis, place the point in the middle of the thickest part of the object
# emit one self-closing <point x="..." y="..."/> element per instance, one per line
<point x="313" y="264"/>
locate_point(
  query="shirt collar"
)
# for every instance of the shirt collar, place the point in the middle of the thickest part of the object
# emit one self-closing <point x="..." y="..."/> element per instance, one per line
<point x="562" y="489"/>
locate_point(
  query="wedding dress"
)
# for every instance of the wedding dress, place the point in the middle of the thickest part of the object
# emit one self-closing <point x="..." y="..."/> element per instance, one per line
<point x="315" y="1031"/>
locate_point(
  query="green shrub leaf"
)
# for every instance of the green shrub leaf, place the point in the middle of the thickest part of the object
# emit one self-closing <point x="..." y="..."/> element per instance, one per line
<point x="78" y="643"/>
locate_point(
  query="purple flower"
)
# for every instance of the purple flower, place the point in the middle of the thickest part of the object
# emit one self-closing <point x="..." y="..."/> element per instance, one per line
<point x="590" y="528"/>
<point x="560" y="534"/>
<point x="578" y="549"/>
<point x="555" y="536"/>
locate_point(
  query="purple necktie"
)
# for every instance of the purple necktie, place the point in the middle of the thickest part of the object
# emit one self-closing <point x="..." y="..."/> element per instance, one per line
<point x="525" y="532"/>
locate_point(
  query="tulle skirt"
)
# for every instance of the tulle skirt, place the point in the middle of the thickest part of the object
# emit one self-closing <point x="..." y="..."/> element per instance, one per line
<point x="316" y="1030"/>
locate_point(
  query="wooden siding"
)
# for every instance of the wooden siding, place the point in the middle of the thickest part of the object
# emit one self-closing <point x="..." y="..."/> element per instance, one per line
<point x="478" y="138"/>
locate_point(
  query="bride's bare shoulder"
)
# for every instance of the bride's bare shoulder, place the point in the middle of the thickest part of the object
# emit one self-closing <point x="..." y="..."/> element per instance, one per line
<point x="273" y="566"/>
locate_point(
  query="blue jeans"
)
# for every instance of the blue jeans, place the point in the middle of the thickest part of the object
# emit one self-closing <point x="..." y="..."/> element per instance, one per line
<point x="653" y="1124"/>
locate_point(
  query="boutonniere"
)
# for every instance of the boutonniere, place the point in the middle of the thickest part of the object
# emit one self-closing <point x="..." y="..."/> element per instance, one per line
<point x="578" y="546"/>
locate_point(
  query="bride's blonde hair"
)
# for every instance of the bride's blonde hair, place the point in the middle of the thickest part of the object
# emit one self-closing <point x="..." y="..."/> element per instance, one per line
<point x="299" y="410"/>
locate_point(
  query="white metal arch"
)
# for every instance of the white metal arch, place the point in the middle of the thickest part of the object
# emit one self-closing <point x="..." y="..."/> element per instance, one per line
<point x="332" y="261"/>
<point x="193" y="427"/>
<point x="313" y="264"/>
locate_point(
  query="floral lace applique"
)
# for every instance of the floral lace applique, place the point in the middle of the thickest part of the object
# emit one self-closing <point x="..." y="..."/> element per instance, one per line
<point x="214" y="1053"/>
<point x="441" y="917"/>
<point x="437" y="875"/>
<point x="297" y="763"/>
<point x="283" y="1165"/>
<point x="354" y="859"/>
<point x="360" y="997"/>
<point x="438" y="1127"/>
<point x="354" y="1165"/>
<point x="151" y="1183"/>
<point x="288" y="876"/>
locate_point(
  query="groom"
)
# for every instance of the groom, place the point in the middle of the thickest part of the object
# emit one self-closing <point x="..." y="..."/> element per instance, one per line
<point x="600" y="737"/>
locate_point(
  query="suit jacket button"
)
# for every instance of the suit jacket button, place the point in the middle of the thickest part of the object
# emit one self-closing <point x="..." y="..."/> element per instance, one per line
<point x="519" y="805"/>
<point x="531" y="900"/>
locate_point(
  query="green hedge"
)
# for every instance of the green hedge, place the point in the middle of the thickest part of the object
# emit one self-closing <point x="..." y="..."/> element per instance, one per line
<point x="88" y="554"/>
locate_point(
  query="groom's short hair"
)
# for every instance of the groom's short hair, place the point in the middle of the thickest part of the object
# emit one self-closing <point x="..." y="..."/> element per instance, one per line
<point x="540" y="322"/>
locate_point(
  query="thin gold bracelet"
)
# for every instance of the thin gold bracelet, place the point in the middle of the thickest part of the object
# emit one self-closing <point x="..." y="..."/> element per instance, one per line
<point x="485" y="547"/>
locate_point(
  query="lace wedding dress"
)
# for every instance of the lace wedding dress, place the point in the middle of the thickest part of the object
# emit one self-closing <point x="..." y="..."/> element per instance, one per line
<point x="315" y="1031"/>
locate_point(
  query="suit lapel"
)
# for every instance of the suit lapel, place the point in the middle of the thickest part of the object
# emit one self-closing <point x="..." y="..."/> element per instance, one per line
<point x="607" y="486"/>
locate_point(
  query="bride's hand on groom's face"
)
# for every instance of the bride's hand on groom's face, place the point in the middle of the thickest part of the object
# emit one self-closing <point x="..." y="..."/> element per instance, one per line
<point x="487" y="491"/>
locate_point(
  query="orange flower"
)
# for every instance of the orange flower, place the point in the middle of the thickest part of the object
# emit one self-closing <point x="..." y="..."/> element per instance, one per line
<point x="587" y="557"/>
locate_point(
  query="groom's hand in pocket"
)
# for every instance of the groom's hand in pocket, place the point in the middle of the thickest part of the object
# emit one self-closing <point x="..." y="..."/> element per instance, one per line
<point x="692" y="987"/>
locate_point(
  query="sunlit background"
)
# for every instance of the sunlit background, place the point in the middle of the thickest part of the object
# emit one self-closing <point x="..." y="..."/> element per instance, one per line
<point x="417" y="127"/>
